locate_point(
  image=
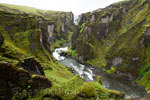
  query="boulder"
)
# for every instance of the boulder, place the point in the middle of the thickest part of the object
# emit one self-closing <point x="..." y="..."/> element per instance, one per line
<point x="32" y="66"/>
<point x="50" y="29"/>
<point x="39" y="83"/>
<point x="18" y="83"/>
<point x="116" y="61"/>
<point x="92" y="19"/>
<point x="107" y="19"/>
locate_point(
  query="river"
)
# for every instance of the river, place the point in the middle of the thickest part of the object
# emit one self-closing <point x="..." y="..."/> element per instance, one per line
<point x="110" y="81"/>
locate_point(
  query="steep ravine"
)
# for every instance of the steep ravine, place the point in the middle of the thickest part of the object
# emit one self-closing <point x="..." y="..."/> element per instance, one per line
<point x="115" y="40"/>
<point x="27" y="69"/>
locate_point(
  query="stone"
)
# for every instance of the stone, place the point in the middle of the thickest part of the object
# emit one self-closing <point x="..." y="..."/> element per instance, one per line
<point x="147" y="34"/>
<point x="46" y="35"/>
<point x="116" y="61"/>
<point x="14" y="80"/>
<point x="50" y="30"/>
<point x="92" y="18"/>
<point x="32" y="66"/>
<point x="72" y="17"/>
<point x="107" y="44"/>
<point x="10" y="79"/>
<point x="79" y="18"/>
<point x="32" y="46"/>
<point x="111" y="17"/>
<point x="63" y="27"/>
<point x="98" y="79"/>
<point x="87" y="30"/>
<point x="137" y="58"/>
<point x="125" y="10"/>
<point x="81" y="59"/>
<point x="1" y="39"/>
<point x="39" y="83"/>
<point x="107" y="19"/>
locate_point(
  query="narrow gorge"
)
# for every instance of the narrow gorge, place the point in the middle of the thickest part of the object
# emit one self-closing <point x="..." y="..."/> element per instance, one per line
<point x="105" y="55"/>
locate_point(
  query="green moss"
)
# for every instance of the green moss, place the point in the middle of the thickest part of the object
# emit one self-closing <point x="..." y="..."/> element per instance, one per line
<point x="72" y="52"/>
<point x="11" y="51"/>
<point x="21" y="95"/>
<point x="145" y="70"/>
<point x="88" y="89"/>
<point x="58" y="76"/>
<point x="65" y="90"/>
<point x="95" y="89"/>
<point x="16" y="9"/>
<point x="57" y="44"/>
<point x="71" y="89"/>
<point x="22" y="40"/>
<point x="82" y="27"/>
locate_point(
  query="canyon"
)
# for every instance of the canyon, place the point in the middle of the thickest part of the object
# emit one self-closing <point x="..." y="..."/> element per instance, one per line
<point x="44" y="55"/>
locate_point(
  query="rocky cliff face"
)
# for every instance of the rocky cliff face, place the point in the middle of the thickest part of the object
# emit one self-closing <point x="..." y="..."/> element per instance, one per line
<point x="117" y="37"/>
<point x="33" y="33"/>
<point x="25" y="49"/>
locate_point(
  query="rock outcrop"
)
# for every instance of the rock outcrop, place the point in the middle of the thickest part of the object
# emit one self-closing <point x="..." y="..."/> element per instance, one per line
<point x="32" y="66"/>
<point x="1" y="39"/>
<point x="19" y="84"/>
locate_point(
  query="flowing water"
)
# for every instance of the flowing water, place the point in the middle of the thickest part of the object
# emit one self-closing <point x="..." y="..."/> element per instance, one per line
<point x="110" y="81"/>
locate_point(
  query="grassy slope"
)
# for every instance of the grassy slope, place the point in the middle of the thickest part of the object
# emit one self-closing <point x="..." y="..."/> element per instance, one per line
<point x="16" y="9"/>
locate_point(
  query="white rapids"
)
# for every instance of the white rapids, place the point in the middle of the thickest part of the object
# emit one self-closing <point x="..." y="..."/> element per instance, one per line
<point x="80" y="69"/>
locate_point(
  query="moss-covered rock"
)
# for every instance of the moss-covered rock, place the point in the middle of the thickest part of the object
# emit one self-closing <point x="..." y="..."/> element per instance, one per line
<point x="18" y="83"/>
<point x="32" y="66"/>
<point x="1" y="39"/>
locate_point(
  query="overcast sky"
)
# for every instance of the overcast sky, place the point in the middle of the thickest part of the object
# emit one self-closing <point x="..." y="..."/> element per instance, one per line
<point x="76" y="6"/>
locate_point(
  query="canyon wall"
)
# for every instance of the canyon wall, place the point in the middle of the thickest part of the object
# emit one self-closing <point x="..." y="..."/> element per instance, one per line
<point x="117" y="38"/>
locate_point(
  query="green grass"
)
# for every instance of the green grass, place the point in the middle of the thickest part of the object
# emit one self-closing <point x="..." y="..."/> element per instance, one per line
<point x="57" y="75"/>
<point x="57" y="44"/>
<point x="24" y="9"/>
<point x="145" y="80"/>
<point x="82" y="27"/>
<point x="70" y="90"/>
<point x="72" y="52"/>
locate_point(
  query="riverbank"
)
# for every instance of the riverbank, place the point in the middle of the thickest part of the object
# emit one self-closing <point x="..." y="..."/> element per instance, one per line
<point x="89" y="73"/>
